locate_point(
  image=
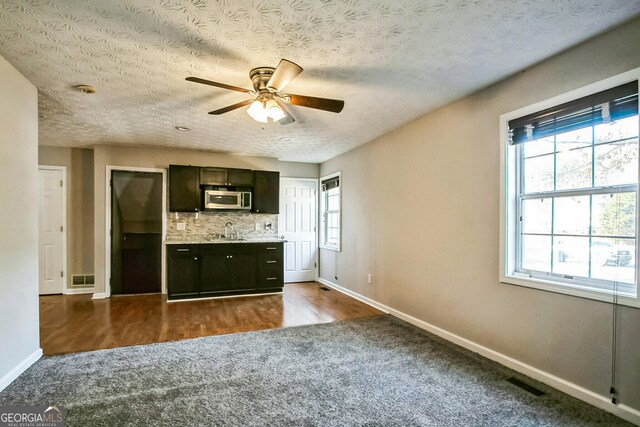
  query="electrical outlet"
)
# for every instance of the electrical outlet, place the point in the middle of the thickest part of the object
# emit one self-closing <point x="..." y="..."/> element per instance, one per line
<point x="369" y="279"/>
<point x="258" y="226"/>
<point x="181" y="226"/>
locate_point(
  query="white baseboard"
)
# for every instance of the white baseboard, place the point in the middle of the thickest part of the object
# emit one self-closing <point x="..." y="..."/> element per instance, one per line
<point x="20" y="368"/>
<point x="100" y="295"/>
<point x="75" y="291"/>
<point x="625" y="412"/>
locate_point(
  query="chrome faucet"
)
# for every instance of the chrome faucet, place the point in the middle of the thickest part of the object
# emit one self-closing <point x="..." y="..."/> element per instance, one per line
<point x="228" y="226"/>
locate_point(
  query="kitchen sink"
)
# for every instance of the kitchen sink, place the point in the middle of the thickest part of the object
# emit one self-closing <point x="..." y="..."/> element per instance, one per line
<point x="226" y="239"/>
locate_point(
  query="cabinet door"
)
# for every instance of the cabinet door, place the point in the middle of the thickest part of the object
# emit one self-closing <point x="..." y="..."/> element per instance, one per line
<point x="184" y="188"/>
<point x="266" y="192"/>
<point x="182" y="271"/>
<point x="243" y="271"/>
<point x="213" y="176"/>
<point x="215" y="269"/>
<point x="240" y="177"/>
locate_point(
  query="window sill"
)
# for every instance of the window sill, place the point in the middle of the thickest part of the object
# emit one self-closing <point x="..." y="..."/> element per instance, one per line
<point x="572" y="290"/>
<point x="330" y="248"/>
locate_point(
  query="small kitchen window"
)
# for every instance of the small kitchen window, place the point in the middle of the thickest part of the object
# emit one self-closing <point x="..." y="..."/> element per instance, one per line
<point x="570" y="193"/>
<point x="330" y="212"/>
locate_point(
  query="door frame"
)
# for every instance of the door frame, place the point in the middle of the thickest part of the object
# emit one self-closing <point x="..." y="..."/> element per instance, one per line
<point x="315" y="181"/>
<point x="65" y="269"/>
<point x="107" y="224"/>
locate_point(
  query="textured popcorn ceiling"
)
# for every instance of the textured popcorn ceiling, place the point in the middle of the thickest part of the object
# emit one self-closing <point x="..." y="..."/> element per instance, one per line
<point x="390" y="60"/>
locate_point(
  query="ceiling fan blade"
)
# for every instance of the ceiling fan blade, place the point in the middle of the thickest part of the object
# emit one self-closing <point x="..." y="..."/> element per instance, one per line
<point x="216" y="84"/>
<point x="289" y="118"/>
<point x="333" y="105"/>
<point x="231" y="107"/>
<point x="284" y="73"/>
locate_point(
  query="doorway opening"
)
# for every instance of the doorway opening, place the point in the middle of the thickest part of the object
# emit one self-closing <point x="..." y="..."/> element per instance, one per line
<point x="136" y="232"/>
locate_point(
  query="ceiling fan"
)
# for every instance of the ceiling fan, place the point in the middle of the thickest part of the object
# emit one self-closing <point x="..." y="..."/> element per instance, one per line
<point x="269" y="104"/>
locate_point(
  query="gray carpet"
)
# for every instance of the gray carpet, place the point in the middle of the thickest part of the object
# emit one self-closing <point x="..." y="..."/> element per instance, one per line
<point x="377" y="371"/>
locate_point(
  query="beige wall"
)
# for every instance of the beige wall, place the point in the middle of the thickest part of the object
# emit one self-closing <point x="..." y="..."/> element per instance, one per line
<point x="162" y="158"/>
<point x="79" y="164"/>
<point x="19" y="333"/>
<point x="421" y="213"/>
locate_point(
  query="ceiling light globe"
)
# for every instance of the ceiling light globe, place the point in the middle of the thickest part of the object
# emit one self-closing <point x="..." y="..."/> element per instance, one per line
<point x="276" y="113"/>
<point x="257" y="111"/>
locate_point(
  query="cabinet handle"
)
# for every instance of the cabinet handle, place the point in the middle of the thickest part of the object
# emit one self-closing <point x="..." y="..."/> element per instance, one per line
<point x="271" y="278"/>
<point x="230" y="256"/>
<point x="195" y="258"/>
<point x="182" y="250"/>
<point x="272" y="249"/>
<point x="271" y="262"/>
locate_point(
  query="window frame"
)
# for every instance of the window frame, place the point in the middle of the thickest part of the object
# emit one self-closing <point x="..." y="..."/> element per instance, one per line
<point x="324" y="211"/>
<point x="509" y="205"/>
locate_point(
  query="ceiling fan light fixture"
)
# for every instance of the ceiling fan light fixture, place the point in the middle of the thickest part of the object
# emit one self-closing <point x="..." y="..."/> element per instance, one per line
<point x="268" y="106"/>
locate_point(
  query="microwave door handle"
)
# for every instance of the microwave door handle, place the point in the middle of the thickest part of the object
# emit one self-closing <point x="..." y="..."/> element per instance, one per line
<point x="241" y="197"/>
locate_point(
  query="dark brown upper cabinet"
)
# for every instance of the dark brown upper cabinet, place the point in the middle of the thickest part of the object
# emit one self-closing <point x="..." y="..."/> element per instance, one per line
<point x="240" y="177"/>
<point x="266" y="192"/>
<point x="226" y="177"/>
<point x="184" y="188"/>
<point x="213" y="176"/>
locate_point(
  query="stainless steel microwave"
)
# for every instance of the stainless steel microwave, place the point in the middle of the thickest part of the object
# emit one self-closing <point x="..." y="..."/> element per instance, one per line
<point x="219" y="199"/>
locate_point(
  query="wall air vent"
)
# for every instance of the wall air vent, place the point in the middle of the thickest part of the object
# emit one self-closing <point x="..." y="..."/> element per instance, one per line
<point x="82" y="280"/>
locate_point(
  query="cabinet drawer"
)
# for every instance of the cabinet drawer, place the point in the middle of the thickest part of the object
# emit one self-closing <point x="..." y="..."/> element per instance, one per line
<point x="269" y="248"/>
<point x="270" y="259"/>
<point x="182" y="250"/>
<point x="270" y="278"/>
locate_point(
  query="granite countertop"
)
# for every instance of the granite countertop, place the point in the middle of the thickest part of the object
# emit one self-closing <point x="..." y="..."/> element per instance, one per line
<point x="216" y="241"/>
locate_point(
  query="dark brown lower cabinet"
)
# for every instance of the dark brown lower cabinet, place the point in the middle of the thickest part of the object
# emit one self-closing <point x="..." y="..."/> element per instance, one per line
<point x="215" y="270"/>
<point x="183" y="270"/>
<point x="243" y="271"/>
<point x="224" y="269"/>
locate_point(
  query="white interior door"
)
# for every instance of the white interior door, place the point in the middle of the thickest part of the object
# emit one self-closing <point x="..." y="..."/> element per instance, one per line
<point x="50" y="232"/>
<point x="297" y="223"/>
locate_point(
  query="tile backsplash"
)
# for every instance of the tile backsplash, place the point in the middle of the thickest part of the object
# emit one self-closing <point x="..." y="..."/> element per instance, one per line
<point x="210" y="223"/>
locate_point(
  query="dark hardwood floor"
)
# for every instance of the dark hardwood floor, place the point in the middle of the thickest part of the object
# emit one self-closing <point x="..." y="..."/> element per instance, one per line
<point x="72" y="323"/>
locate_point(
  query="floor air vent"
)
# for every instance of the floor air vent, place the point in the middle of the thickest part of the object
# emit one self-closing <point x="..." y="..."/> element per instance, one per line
<point x="529" y="388"/>
<point x="324" y="288"/>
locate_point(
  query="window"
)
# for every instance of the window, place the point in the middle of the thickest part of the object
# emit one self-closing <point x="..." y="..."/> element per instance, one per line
<point x="570" y="194"/>
<point x="330" y="207"/>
